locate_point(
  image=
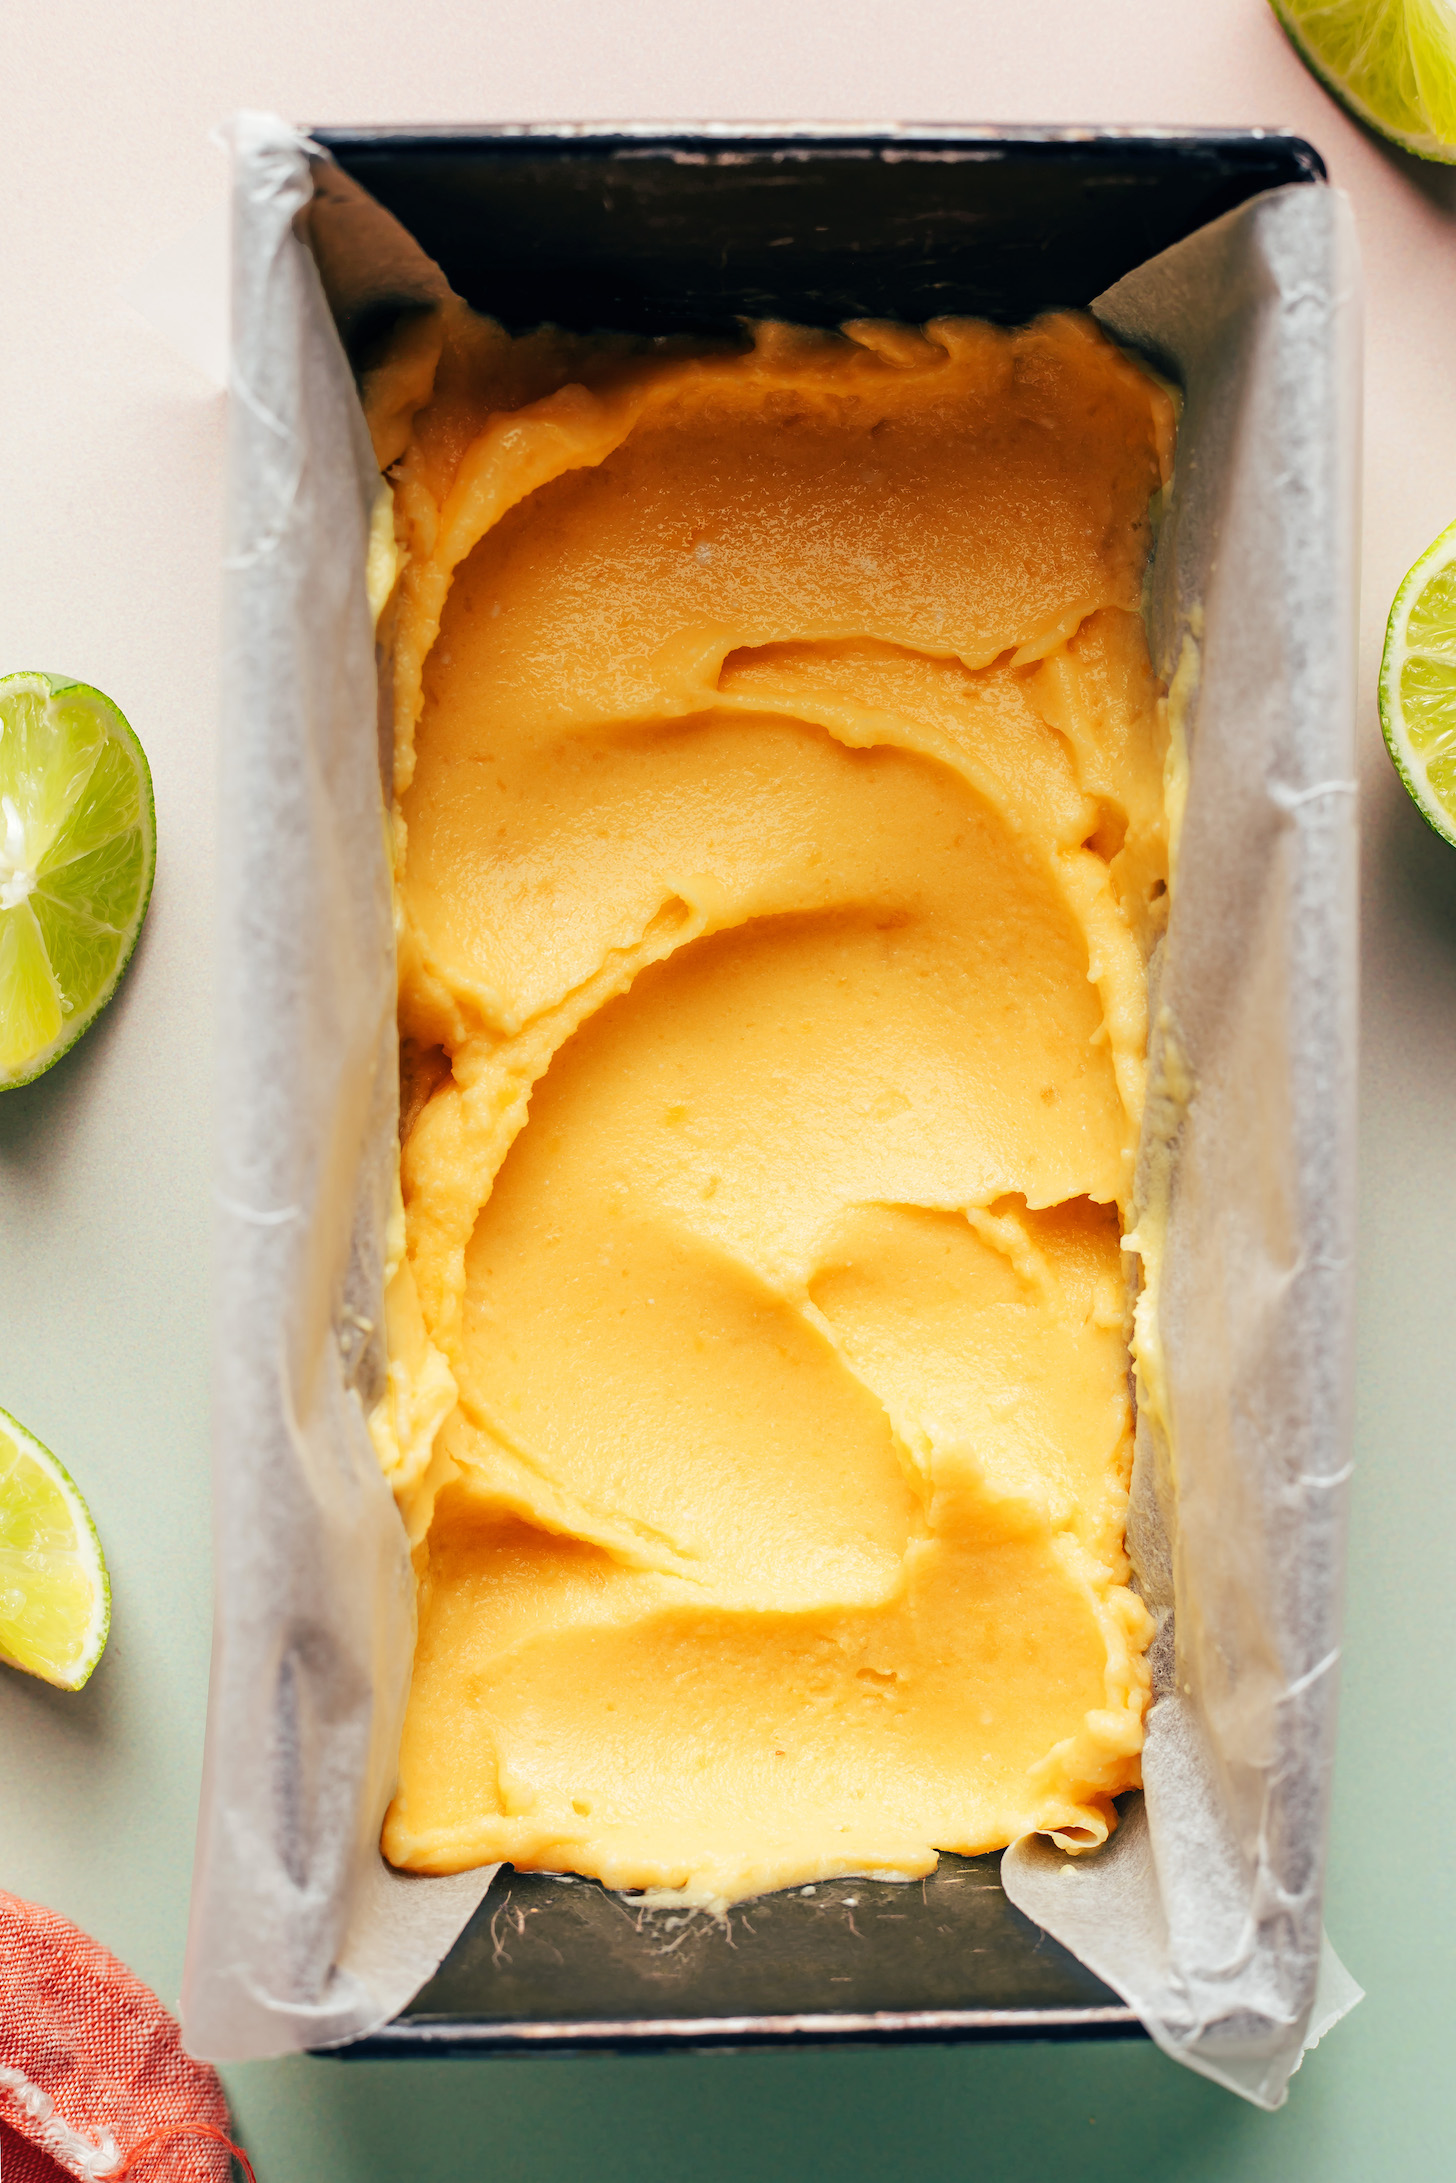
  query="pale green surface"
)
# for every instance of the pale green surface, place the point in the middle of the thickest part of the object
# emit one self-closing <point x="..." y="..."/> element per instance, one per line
<point x="108" y="561"/>
<point x="1018" y="2115"/>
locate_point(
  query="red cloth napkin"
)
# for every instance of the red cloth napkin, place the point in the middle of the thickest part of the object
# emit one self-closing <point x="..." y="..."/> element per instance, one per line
<point x="93" y="2080"/>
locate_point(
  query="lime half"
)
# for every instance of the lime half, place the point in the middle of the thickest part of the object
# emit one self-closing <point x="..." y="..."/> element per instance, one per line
<point x="78" y="847"/>
<point x="1392" y="62"/>
<point x="55" y="1601"/>
<point x="1418" y="684"/>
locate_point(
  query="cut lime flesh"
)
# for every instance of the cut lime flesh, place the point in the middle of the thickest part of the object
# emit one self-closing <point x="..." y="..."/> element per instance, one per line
<point x="1418" y="684"/>
<point x="77" y="854"/>
<point x="1392" y="62"/>
<point x="55" y="1599"/>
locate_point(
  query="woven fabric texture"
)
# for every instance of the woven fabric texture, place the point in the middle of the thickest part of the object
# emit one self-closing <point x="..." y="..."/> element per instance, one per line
<point x="93" y="2080"/>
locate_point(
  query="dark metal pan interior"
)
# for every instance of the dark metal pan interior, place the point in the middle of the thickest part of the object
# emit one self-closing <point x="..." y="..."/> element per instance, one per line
<point x="678" y="233"/>
<point x="549" y="1962"/>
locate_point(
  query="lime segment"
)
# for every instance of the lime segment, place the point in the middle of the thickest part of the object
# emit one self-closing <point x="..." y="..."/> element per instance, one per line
<point x="77" y="853"/>
<point x="1418" y="684"/>
<point x="1392" y="62"/>
<point x="55" y="1601"/>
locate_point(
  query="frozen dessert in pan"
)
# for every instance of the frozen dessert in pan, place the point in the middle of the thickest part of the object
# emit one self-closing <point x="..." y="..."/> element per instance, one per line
<point x="780" y="843"/>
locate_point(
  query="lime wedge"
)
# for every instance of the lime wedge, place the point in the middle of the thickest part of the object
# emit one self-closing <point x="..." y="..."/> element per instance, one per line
<point x="55" y="1601"/>
<point x="1392" y="62"/>
<point x="78" y="847"/>
<point x="1418" y="684"/>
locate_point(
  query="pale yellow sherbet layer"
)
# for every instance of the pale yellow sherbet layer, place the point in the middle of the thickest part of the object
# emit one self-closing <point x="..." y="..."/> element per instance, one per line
<point x="780" y="843"/>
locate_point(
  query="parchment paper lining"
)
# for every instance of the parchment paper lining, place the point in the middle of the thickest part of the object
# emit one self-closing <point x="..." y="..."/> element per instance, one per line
<point x="1204" y="1909"/>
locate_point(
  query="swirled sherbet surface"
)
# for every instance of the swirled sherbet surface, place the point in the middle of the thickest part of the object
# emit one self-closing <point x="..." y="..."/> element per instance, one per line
<point x="780" y="842"/>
